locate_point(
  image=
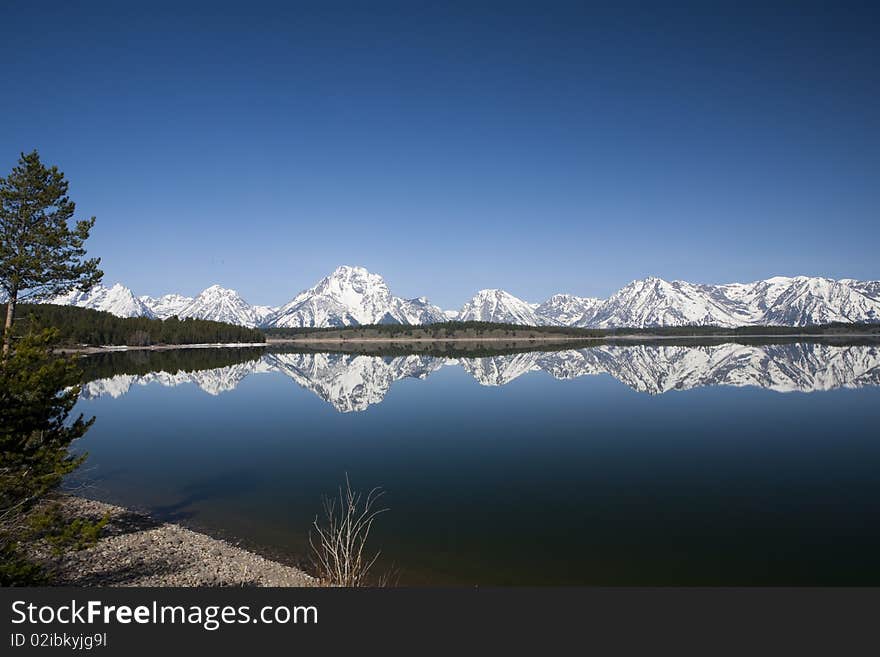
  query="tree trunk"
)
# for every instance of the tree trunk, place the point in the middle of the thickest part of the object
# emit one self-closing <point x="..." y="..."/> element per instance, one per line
<point x="7" y="331"/>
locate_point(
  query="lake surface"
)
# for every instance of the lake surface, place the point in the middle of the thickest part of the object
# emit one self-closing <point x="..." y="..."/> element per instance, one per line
<point x="614" y="464"/>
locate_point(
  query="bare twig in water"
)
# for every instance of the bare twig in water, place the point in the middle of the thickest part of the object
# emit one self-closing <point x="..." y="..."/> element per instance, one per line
<point x="339" y="542"/>
<point x="390" y="578"/>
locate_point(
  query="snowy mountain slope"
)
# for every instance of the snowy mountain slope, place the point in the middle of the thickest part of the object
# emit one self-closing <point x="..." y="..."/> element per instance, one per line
<point x="796" y="301"/>
<point x="655" y="302"/>
<point x="167" y="305"/>
<point x="263" y="312"/>
<point x="117" y="300"/>
<point x="221" y="304"/>
<point x="819" y="301"/>
<point x="804" y="300"/>
<point x="498" y="306"/>
<point x="417" y="311"/>
<point x="566" y="309"/>
<point x="352" y="296"/>
<point x="870" y="289"/>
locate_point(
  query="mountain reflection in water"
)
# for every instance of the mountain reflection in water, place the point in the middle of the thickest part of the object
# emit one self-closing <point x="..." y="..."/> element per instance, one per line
<point x="354" y="382"/>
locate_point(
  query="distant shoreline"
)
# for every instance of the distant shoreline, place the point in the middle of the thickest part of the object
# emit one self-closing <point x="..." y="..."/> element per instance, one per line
<point x="91" y="349"/>
<point x="271" y="341"/>
<point x="104" y="349"/>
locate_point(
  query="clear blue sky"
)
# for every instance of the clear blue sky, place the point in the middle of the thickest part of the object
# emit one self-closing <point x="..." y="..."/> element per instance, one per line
<point x="539" y="147"/>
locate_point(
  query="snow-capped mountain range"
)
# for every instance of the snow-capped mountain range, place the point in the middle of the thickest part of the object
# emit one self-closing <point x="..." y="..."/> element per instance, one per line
<point x="356" y="382"/>
<point x="215" y="303"/>
<point x="353" y="296"/>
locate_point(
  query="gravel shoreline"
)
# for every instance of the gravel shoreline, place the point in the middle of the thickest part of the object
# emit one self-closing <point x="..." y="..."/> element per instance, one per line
<point x="136" y="550"/>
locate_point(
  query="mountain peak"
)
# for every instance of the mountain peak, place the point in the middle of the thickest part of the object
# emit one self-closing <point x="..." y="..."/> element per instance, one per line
<point x="221" y="304"/>
<point x="351" y="270"/>
<point x="562" y="296"/>
<point x="168" y="305"/>
<point x="651" y="280"/>
<point x="349" y="296"/>
<point x="567" y="310"/>
<point x="117" y="300"/>
<point x="219" y="289"/>
<point x="496" y="305"/>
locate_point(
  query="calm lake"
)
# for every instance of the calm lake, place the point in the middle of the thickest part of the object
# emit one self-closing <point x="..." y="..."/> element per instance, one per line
<point x="616" y="464"/>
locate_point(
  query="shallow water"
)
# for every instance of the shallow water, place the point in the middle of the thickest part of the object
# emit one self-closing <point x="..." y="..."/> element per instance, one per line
<point x="714" y="463"/>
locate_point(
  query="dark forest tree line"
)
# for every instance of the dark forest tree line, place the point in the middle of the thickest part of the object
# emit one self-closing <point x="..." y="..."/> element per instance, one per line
<point x="84" y="326"/>
<point x="438" y="330"/>
<point x="476" y="329"/>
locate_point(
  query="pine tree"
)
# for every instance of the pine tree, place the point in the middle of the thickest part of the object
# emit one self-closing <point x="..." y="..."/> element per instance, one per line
<point x="40" y="254"/>
<point x="37" y="394"/>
